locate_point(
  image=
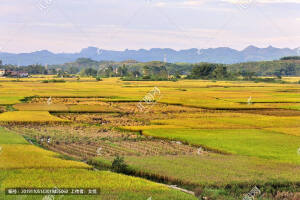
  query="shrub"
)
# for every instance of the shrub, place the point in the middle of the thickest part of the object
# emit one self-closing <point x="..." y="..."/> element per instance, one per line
<point x="119" y="165"/>
<point x="98" y="78"/>
<point x="54" y="81"/>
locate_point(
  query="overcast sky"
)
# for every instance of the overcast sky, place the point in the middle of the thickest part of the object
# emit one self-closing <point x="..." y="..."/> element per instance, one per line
<point x="70" y="25"/>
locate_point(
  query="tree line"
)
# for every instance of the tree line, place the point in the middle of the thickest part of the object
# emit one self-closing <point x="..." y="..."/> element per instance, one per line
<point x="156" y="70"/>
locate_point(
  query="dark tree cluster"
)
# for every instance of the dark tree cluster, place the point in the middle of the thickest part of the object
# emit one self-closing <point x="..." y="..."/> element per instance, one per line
<point x="291" y="58"/>
<point x="209" y="71"/>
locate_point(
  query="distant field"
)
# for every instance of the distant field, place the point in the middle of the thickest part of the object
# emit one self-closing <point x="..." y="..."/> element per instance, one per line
<point x="202" y="93"/>
<point x="291" y="79"/>
<point x="293" y="107"/>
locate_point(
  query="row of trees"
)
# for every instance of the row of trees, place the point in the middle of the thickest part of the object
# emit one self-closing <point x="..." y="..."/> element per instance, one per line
<point x="209" y="71"/>
<point x="219" y="72"/>
<point x="291" y="58"/>
<point x="31" y="69"/>
<point x="201" y="71"/>
<point x="106" y="72"/>
<point x="165" y="71"/>
<point x="289" y="66"/>
<point x="289" y="70"/>
<point x="157" y="71"/>
<point x="147" y="72"/>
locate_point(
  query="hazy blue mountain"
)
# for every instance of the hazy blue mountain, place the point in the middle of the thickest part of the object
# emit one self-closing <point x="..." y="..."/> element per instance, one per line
<point x="215" y="55"/>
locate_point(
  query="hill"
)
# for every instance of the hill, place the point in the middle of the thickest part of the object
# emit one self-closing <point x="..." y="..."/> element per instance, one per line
<point x="214" y="55"/>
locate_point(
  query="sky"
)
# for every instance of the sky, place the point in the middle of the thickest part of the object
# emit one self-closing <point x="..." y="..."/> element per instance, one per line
<point x="70" y="25"/>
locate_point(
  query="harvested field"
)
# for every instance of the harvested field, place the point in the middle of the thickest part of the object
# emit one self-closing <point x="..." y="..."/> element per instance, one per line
<point x="101" y="119"/>
<point x="111" y="142"/>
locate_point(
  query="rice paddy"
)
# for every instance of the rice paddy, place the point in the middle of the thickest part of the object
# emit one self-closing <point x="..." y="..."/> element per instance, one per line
<point x="29" y="116"/>
<point x="27" y="166"/>
<point x="199" y="134"/>
<point x="250" y="142"/>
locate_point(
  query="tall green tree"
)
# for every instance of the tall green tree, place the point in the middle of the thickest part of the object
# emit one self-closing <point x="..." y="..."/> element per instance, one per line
<point x="203" y="70"/>
<point x="88" y="72"/>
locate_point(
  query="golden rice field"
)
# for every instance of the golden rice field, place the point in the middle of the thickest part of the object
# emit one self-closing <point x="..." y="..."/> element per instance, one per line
<point x="248" y="133"/>
<point x="27" y="166"/>
<point x="29" y="116"/>
<point x="38" y="158"/>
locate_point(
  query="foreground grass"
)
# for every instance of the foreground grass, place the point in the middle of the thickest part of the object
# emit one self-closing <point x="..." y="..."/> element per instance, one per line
<point x="112" y="186"/>
<point x="7" y="137"/>
<point x="16" y="156"/>
<point x="24" y="165"/>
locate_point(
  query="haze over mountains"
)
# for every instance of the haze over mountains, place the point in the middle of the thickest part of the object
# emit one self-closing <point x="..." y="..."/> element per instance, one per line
<point x="215" y="55"/>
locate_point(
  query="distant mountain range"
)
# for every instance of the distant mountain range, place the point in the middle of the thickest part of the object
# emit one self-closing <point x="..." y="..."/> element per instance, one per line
<point x="215" y="55"/>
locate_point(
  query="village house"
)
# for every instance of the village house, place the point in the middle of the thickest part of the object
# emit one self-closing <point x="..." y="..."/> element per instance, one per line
<point x="10" y="73"/>
<point x="2" y="72"/>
